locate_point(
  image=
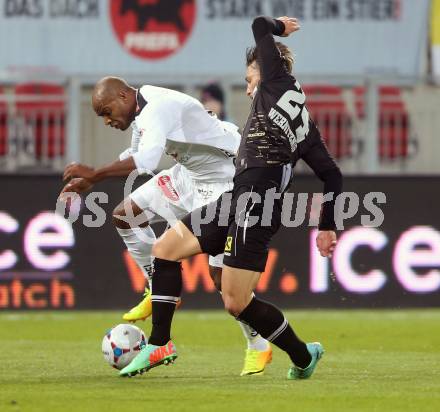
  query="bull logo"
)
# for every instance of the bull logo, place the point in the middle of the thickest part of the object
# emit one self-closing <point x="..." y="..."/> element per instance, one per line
<point x="152" y="29"/>
<point x="163" y="11"/>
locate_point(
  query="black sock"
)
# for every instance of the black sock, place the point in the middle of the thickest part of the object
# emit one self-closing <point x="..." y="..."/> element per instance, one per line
<point x="270" y="323"/>
<point x="165" y="293"/>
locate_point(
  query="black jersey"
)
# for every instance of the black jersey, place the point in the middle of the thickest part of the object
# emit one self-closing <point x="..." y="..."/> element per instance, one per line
<point x="279" y="129"/>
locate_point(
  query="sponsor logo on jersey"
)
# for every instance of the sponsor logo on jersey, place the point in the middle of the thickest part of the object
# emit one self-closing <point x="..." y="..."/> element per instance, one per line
<point x="205" y="193"/>
<point x="228" y="245"/>
<point x="152" y="29"/>
<point x="167" y="188"/>
<point x="257" y="134"/>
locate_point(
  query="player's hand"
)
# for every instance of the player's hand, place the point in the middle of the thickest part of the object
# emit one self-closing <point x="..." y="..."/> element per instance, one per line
<point x="291" y="24"/>
<point x="78" y="170"/>
<point x="76" y="185"/>
<point x="326" y="242"/>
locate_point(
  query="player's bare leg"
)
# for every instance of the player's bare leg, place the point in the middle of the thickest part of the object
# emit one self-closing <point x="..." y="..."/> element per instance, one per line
<point x="237" y="288"/>
<point x="176" y="243"/>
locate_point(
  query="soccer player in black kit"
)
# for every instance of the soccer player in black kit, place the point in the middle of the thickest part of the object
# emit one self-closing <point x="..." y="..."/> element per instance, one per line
<point x="277" y="134"/>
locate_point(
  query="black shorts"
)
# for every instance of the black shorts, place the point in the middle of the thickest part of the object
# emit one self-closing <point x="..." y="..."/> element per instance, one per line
<point x="241" y="223"/>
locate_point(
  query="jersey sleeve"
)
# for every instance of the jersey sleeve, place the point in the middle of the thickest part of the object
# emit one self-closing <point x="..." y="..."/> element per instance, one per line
<point x="234" y="135"/>
<point x="156" y="121"/>
<point x="321" y="162"/>
<point x="126" y="154"/>
<point x="268" y="56"/>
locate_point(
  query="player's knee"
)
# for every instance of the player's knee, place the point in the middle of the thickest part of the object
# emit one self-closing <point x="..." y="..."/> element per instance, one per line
<point x="233" y="306"/>
<point x="128" y="215"/>
<point x="161" y="251"/>
<point x="218" y="283"/>
<point x="118" y="217"/>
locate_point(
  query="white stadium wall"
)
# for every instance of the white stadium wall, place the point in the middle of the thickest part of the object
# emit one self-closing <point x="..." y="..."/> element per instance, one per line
<point x="208" y="37"/>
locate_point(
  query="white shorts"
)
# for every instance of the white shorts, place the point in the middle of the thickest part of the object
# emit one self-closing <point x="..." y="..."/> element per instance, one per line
<point x="173" y="193"/>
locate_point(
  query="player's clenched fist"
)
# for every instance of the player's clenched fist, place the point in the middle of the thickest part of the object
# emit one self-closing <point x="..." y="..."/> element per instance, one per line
<point x="291" y="24"/>
<point x="326" y="242"/>
<point x="77" y="185"/>
<point x="78" y="170"/>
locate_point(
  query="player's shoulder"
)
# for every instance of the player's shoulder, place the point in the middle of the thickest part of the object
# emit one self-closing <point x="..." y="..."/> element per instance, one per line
<point x="230" y="127"/>
<point x="284" y="79"/>
<point x="160" y="100"/>
<point x="172" y="103"/>
<point x="156" y="94"/>
<point x="277" y="86"/>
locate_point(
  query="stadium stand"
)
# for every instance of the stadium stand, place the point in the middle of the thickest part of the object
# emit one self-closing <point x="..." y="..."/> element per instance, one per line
<point x="394" y="123"/>
<point x="328" y="109"/>
<point x="3" y="127"/>
<point x="44" y="116"/>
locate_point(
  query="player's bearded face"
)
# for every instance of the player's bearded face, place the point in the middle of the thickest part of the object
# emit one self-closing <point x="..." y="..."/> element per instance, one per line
<point x="252" y="79"/>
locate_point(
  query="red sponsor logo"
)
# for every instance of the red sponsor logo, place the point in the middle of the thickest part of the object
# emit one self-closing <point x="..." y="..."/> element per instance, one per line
<point x="165" y="184"/>
<point x="152" y="29"/>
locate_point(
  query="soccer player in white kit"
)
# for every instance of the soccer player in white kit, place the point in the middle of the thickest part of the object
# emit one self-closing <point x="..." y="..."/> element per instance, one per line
<point x="165" y="120"/>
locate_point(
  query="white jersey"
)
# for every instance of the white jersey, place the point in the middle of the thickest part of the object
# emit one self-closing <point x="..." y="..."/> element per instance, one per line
<point x="177" y="124"/>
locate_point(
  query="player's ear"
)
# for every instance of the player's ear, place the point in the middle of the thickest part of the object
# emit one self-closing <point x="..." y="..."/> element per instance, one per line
<point x="123" y="95"/>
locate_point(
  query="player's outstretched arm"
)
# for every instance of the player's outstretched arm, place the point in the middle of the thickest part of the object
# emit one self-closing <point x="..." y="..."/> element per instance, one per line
<point x="291" y="25"/>
<point x="267" y="26"/>
<point x="117" y="168"/>
<point x="269" y="59"/>
<point x="281" y="26"/>
<point x="321" y="162"/>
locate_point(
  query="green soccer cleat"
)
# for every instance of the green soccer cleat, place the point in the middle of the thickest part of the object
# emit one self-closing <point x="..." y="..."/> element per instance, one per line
<point x="316" y="351"/>
<point x="149" y="357"/>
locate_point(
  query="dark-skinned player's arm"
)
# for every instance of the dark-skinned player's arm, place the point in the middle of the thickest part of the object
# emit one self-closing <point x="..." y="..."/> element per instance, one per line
<point x="145" y="160"/>
<point x="80" y="178"/>
<point x="323" y="165"/>
<point x="114" y="169"/>
<point x="158" y="121"/>
<point x="269" y="59"/>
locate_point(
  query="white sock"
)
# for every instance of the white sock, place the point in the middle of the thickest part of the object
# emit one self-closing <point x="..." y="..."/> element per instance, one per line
<point x="139" y="242"/>
<point x="254" y="339"/>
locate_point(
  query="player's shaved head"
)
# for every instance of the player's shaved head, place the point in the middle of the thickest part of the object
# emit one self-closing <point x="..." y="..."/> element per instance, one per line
<point x="107" y="89"/>
<point x="115" y="100"/>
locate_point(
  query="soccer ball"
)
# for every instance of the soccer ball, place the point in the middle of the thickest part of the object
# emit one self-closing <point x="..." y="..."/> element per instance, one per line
<point x="121" y="344"/>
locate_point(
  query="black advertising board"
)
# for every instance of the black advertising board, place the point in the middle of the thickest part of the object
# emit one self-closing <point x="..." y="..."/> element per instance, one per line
<point x="47" y="263"/>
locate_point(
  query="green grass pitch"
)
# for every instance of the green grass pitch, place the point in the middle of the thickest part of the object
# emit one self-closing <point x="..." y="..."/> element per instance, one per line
<point x="374" y="361"/>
